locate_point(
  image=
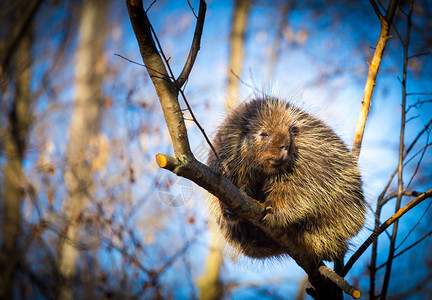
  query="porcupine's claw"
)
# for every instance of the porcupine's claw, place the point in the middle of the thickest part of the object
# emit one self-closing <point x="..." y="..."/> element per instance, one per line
<point x="268" y="206"/>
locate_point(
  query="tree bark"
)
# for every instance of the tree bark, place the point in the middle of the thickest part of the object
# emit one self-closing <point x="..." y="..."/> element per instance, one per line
<point x="86" y="115"/>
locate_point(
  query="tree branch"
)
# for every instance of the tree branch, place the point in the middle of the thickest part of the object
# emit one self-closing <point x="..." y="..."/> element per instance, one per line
<point x="395" y="194"/>
<point x="373" y="71"/>
<point x="184" y="75"/>
<point x="372" y="238"/>
<point x="166" y="90"/>
<point x="340" y="282"/>
<point x="408" y="248"/>
<point x="376" y="8"/>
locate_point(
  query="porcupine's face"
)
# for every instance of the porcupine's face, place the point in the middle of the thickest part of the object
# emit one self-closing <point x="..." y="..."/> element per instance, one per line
<point x="274" y="148"/>
<point x="268" y="131"/>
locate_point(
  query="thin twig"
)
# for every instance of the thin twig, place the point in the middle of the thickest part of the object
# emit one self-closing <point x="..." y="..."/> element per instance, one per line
<point x="418" y="93"/>
<point x="386" y="23"/>
<point x="376" y="9"/>
<point x="417" y="153"/>
<point x="380" y="202"/>
<point x="142" y="65"/>
<point x="398" y="34"/>
<point x="408" y="248"/>
<point x="394" y="195"/>
<point x="192" y="9"/>
<point x="419" y="54"/>
<point x="418" y="104"/>
<point x="151" y="4"/>
<point x="412" y="118"/>
<point x="415" y="226"/>
<point x="419" y="161"/>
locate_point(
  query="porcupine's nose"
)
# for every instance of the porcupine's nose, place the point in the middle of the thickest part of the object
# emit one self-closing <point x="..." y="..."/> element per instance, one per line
<point x="280" y="155"/>
<point x="282" y="142"/>
<point x="284" y="152"/>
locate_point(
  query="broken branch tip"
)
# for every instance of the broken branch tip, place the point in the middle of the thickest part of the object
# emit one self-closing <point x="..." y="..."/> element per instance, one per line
<point x="161" y="160"/>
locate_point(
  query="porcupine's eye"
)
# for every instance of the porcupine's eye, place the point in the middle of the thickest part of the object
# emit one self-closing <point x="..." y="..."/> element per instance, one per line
<point x="229" y="214"/>
<point x="263" y="134"/>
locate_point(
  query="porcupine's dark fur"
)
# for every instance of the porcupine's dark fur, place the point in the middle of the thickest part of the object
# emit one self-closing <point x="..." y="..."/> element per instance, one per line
<point x="293" y="162"/>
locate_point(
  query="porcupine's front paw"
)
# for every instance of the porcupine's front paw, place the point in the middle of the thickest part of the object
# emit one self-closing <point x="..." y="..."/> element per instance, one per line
<point x="269" y="212"/>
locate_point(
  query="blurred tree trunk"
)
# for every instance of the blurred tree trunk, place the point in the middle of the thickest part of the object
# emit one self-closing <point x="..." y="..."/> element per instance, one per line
<point x="209" y="284"/>
<point x="86" y="115"/>
<point x="17" y="17"/>
<point x="238" y="32"/>
<point x="15" y="146"/>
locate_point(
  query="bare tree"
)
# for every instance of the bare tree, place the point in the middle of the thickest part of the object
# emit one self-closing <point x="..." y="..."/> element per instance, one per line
<point x="17" y="20"/>
<point x="210" y="283"/>
<point x="237" y="40"/>
<point x="16" y="134"/>
<point x="84" y="126"/>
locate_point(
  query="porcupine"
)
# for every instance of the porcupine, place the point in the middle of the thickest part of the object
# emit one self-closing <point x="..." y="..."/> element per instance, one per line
<point x="295" y="164"/>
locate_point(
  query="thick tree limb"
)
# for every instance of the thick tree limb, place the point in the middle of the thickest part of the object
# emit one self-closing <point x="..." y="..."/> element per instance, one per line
<point x="165" y="89"/>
